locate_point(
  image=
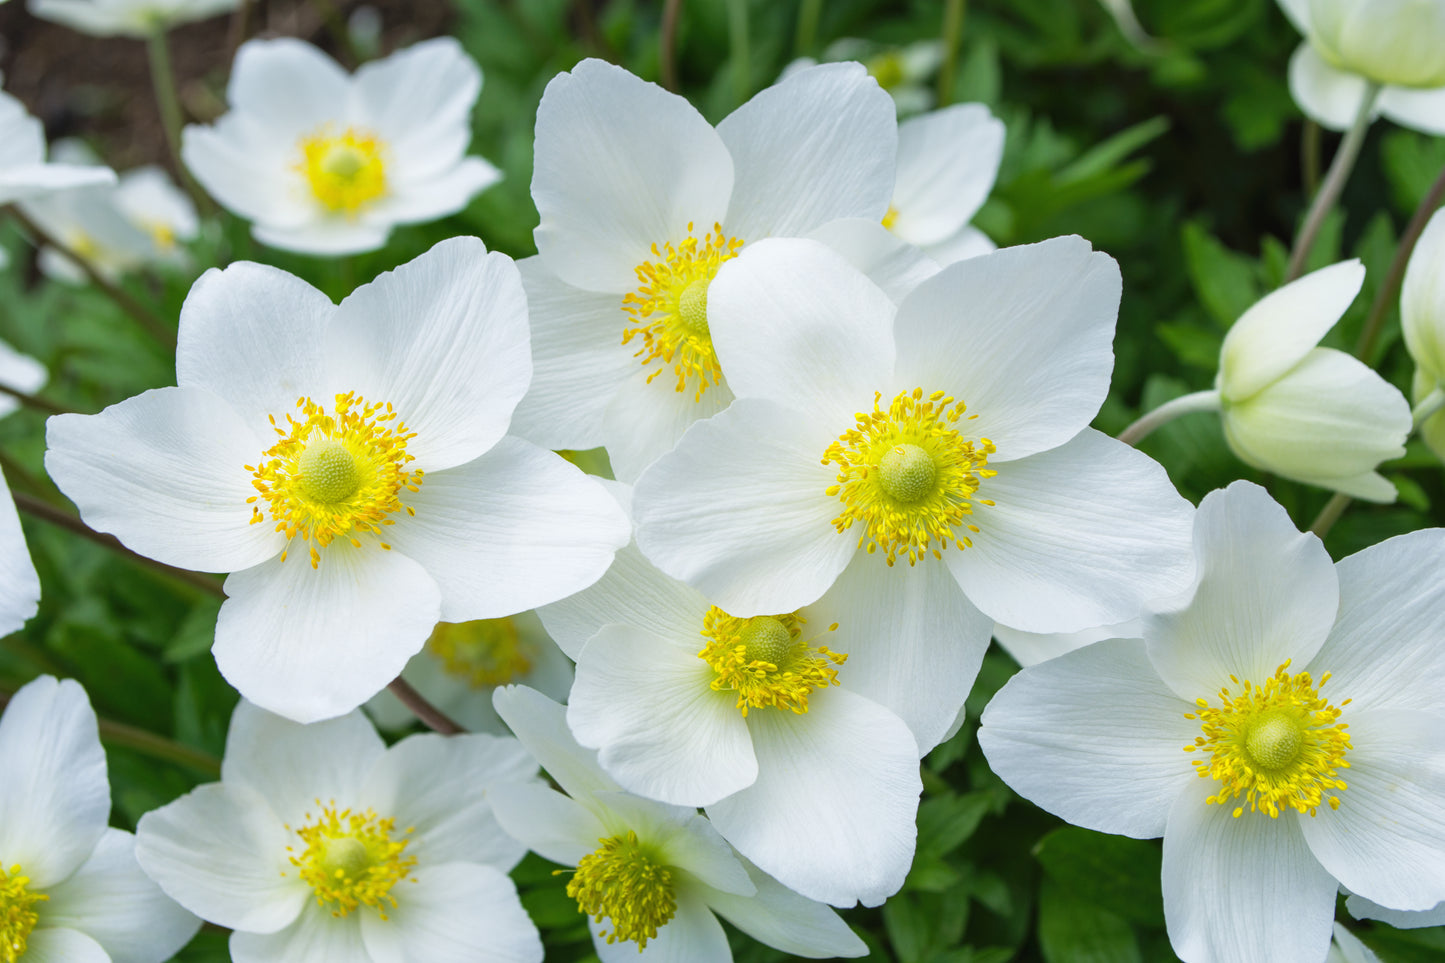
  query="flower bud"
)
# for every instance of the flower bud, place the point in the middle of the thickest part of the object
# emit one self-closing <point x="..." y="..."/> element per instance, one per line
<point x="1422" y="301"/>
<point x="1395" y="42"/>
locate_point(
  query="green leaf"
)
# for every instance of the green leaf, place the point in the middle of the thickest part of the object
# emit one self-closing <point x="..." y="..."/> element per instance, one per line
<point x="1075" y="930"/>
<point x="1226" y="282"/>
<point x="1118" y="874"/>
<point x="908" y="928"/>
<point x="946" y="821"/>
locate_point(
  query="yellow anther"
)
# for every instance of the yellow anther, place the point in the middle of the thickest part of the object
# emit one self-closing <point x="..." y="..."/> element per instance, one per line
<point x="624" y="883"/>
<point x="17" y="913"/>
<point x="346" y="171"/>
<point x="352" y="859"/>
<point x="765" y="660"/>
<point x="486" y="653"/>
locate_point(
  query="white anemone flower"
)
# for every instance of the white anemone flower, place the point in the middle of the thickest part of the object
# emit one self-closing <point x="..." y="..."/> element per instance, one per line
<point x="19" y="583"/>
<point x="1280" y="728"/>
<point x="791" y="729"/>
<point x="23" y="170"/>
<point x="652" y="877"/>
<point x="850" y="437"/>
<point x="128" y="18"/>
<point x="641" y="201"/>
<point x="1315" y="415"/>
<point x="1352" y="43"/>
<point x="71" y="890"/>
<point x="347" y="464"/>
<point x="947" y="163"/>
<point x="321" y="844"/>
<point x="462" y="663"/>
<point x="324" y="162"/>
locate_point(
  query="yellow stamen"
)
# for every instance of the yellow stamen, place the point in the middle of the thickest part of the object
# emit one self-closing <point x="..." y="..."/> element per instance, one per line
<point x="908" y="475"/>
<point x="346" y="171"/>
<point x="335" y="475"/>
<point x="625" y="883"/>
<point x="765" y="660"/>
<point x="887" y="69"/>
<point x="486" y="653"/>
<point x="1273" y="747"/>
<point x="669" y="307"/>
<point x="891" y="217"/>
<point x="17" y="913"/>
<point x="352" y="859"/>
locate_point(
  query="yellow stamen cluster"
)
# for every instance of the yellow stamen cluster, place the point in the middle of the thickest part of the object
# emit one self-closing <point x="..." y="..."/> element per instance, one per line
<point x="17" y="913"/>
<point x="485" y="653"/>
<point x="335" y="475"/>
<point x="887" y="69"/>
<point x="669" y="307"/>
<point x="891" y="217"/>
<point x="346" y="171"/>
<point x="908" y="475"/>
<point x="352" y="859"/>
<point x="766" y="661"/>
<point x="623" y="882"/>
<point x="1275" y="746"/>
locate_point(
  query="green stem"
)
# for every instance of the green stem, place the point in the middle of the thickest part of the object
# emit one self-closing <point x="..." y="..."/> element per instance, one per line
<point x="1167" y="412"/>
<point x="667" y="44"/>
<point x="807" y="33"/>
<point x="1329" y="192"/>
<point x="336" y="25"/>
<point x="35" y="402"/>
<point x="1428" y="406"/>
<point x="163" y="79"/>
<point x="1375" y="324"/>
<point x="1330" y="514"/>
<point x="1310" y="147"/>
<point x="741" y="56"/>
<point x="953" y="14"/>
<point x="149" y="743"/>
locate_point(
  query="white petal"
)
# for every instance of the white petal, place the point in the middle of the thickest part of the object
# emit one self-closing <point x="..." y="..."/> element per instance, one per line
<point x="19" y="583"/>
<point x="455" y="913"/>
<point x="21" y="373"/>
<point x="1329" y="97"/>
<point x="516" y="528"/>
<point x="550" y="824"/>
<point x="238" y="164"/>
<point x="1031" y="648"/>
<point x="647" y="705"/>
<point x="633" y="592"/>
<point x="738" y="511"/>
<point x="63" y="946"/>
<point x="620" y="165"/>
<point x="782" y="919"/>
<point x="443" y="339"/>
<point x="680" y="837"/>
<point x="1081" y="535"/>
<point x="221" y="851"/>
<point x="1232" y="886"/>
<point x="310" y="643"/>
<point x="329" y="237"/>
<point x="1023" y="336"/>
<point x="254" y="336"/>
<point x="55" y="796"/>
<point x="1349" y="949"/>
<point x="1386" y="842"/>
<point x="1422" y="300"/>
<point x="165" y="472"/>
<point x="439" y="195"/>
<point x="1361" y="908"/>
<point x="1384" y="649"/>
<point x="890" y="262"/>
<point x="644" y="421"/>
<point x="796" y="324"/>
<point x="110" y="900"/>
<point x="541" y="725"/>
<point x="693" y="935"/>
<point x="1279" y="330"/>
<point x="1265" y="593"/>
<point x="812" y="148"/>
<point x="315" y="937"/>
<point x="420" y="100"/>
<point x="289" y="86"/>
<point x="1298" y="12"/>
<point x="1422" y="110"/>
<point x="37" y="180"/>
<point x="832" y="812"/>
<point x="968" y="242"/>
<point x="438" y="786"/>
<point x="577" y="360"/>
<point x="291" y="765"/>
<point x="914" y="641"/>
<point x="1095" y="737"/>
<point x="1329" y="422"/>
<point x="947" y="162"/>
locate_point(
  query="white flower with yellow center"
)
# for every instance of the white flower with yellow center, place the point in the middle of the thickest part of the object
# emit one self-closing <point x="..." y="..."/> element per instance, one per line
<point x="326" y="163"/>
<point x="23" y="171"/>
<point x="128" y="18"/>
<point x="653" y="878"/>
<point x="70" y="888"/>
<point x="951" y="438"/>
<point x="320" y="843"/>
<point x="462" y="663"/>
<point x="348" y="465"/>
<point x="641" y="202"/>
<point x="1352" y="43"/>
<point x="947" y="163"/>
<point x="1280" y="728"/>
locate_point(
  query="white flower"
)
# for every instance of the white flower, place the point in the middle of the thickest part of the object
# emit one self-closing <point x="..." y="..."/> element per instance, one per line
<point x="1364" y="909"/>
<point x="1281" y="730"/>
<point x="1315" y="415"/>
<point x="1422" y="300"/>
<point x="321" y="844"/>
<point x="23" y="170"/>
<point x="906" y="72"/>
<point x="1347" y="948"/>
<point x="641" y="200"/>
<point x="326" y="163"/>
<point x="70" y="887"/>
<point x="1353" y="42"/>
<point x="21" y="373"/>
<point x="462" y="663"/>
<point x="947" y="163"/>
<point x="650" y="875"/>
<point x="128" y="18"/>
<point x="850" y="436"/>
<point x="19" y="584"/>
<point x="369" y="437"/>
<point x="804" y="762"/>
<point x="1031" y="648"/>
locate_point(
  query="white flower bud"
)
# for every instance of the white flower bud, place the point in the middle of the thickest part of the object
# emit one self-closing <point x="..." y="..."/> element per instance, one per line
<point x="1395" y="42"/>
